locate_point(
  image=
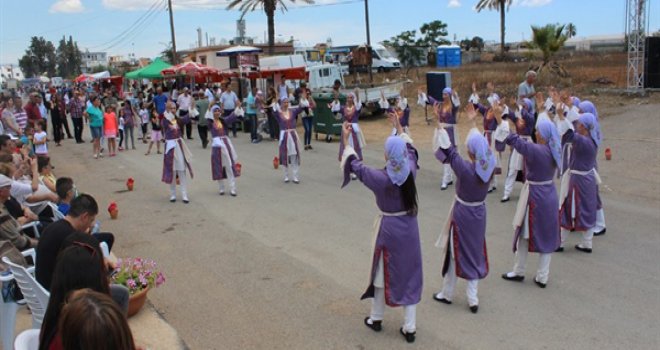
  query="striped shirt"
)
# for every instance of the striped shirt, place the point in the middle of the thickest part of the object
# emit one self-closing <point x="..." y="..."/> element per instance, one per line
<point x="21" y="118"/>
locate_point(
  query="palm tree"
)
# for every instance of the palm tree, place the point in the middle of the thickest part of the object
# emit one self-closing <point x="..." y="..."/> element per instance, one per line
<point x="497" y="5"/>
<point x="571" y="31"/>
<point x="549" y="39"/>
<point x="269" y="7"/>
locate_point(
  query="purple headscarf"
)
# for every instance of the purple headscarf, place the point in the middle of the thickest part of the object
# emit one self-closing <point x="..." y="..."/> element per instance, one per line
<point x="397" y="165"/>
<point x="493" y="98"/>
<point x="590" y="122"/>
<point x="576" y="101"/>
<point x="447" y="91"/>
<point x="587" y="107"/>
<point x="548" y="131"/>
<point x="529" y="104"/>
<point x="215" y="108"/>
<point x="485" y="160"/>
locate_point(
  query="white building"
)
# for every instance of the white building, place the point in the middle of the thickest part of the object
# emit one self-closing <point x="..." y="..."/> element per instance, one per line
<point x="10" y="71"/>
<point x="93" y="59"/>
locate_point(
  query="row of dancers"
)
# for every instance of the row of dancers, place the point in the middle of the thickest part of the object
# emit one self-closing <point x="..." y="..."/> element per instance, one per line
<point x="567" y="137"/>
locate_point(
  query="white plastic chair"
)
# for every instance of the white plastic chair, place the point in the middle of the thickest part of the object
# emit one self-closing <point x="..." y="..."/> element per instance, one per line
<point x="34" y="226"/>
<point x="27" y="340"/>
<point x="8" y="310"/>
<point x="35" y="295"/>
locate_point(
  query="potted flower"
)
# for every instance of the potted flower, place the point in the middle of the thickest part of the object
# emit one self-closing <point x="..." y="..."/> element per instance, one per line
<point x="113" y="210"/>
<point x="129" y="183"/>
<point x="138" y="275"/>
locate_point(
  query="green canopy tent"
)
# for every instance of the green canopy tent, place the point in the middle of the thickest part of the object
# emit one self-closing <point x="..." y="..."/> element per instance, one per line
<point x="151" y="71"/>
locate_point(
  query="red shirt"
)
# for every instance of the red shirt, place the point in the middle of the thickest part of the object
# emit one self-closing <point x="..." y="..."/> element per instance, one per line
<point x="32" y="111"/>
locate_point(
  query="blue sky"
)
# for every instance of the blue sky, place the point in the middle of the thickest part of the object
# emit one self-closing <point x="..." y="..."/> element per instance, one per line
<point x="98" y="24"/>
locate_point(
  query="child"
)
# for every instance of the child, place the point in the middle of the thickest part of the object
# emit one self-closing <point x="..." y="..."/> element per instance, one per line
<point x="122" y="122"/>
<point x="110" y="129"/>
<point x="66" y="191"/>
<point x="156" y="135"/>
<point x="144" y="120"/>
<point x="46" y="176"/>
<point x="40" y="139"/>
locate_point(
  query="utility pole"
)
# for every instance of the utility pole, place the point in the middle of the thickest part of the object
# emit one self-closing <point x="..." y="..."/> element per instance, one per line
<point x="366" y="18"/>
<point x="169" y="7"/>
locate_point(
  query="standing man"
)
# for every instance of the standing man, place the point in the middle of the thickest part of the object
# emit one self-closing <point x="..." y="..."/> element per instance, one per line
<point x="160" y="101"/>
<point x="210" y="95"/>
<point x="251" y="111"/>
<point x="526" y="89"/>
<point x="185" y="102"/>
<point x="32" y="109"/>
<point x="76" y="108"/>
<point x="228" y="100"/>
<point x="202" y="104"/>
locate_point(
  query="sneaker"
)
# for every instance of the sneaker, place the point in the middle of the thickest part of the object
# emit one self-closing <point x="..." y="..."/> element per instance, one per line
<point x="286" y="179"/>
<point x="295" y="180"/>
<point x="234" y="194"/>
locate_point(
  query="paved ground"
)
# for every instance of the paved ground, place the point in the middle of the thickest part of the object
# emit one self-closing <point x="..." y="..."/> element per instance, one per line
<point x="282" y="266"/>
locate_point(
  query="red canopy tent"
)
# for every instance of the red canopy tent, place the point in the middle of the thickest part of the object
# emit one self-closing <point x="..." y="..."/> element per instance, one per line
<point x="83" y="78"/>
<point x="189" y="68"/>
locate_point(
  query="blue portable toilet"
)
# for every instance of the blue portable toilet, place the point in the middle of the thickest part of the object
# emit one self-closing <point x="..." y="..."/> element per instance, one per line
<point x="452" y="55"/>
<point x="441" y="57"/>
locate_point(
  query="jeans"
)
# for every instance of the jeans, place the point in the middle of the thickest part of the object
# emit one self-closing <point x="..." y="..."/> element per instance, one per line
<point x="273" y="126"/>
<point x="225" y="113"/>
<point x="203" y="134"/>
<point x="144" y="130"/>
<point x="128" y="133"/>
<point x="65" y="124"/>
<point x="77" y="128"/>
<point x="121" y="137"/>
<point x="307" y="124"/>
<point x="253" y="126"/>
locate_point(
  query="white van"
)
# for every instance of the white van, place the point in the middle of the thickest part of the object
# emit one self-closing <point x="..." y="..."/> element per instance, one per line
<point x="382" y="59"/>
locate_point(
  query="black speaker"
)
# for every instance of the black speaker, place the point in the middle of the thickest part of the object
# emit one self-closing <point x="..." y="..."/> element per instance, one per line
<point x="436" y="82"/>
<point x="652" y="62"/>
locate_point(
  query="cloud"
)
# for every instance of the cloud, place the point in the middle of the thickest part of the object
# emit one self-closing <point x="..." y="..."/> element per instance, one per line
<point x="67" y="6"/>
<point x="454" y="3"/>
<point x="531" y="3"/>
<point x="132" y="5"/>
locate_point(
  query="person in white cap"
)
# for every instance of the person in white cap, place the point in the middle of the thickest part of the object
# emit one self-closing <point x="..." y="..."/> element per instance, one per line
<point x="10" y="229"/>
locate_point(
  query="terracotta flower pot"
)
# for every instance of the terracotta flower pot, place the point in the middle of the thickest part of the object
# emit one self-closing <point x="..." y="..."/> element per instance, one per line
<point x="129" y="184"/>
<point x="608" y="154"/>
<point x="276" y="163"/>
<point x="114" y="213"/>
<point x="238" y="169"/>
<point x="136" y="302"/>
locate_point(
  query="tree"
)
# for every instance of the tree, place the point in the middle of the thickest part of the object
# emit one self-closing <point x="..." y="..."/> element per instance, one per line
<point x="433" y="34"/>
<point x="477" y="42"/>
<point x="69" y="58"/>
<point x="39" y="58"/>
<point x="269" y="7"/>
<point x="406" y="46"/>
<point x="571" y="31"/>
<point x="466" y="44"/>
<point x="549" y="39"/>
<point x="497" y="5"/>
<point x="168" y="56"/>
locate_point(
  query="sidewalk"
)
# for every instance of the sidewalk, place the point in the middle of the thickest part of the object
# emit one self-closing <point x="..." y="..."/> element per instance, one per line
<point x="150" y="331"/>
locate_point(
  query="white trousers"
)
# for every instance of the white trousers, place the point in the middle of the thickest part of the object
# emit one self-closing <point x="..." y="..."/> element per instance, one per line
<point x="182" y="184"/>
<point x="448" y="175"/>
<point x="230" y="175"/>
<point x="587" y="237"/>
<point x="295" y="167"/>
<point x="509" y="181"/>
<point x="600" y="220"/>
<point x="543" y="270"/>
<point x="378" y="310"/>
<point x="449" y="283"/>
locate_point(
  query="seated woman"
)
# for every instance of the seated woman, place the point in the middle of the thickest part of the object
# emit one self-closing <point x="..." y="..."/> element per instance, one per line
<point x="10" y="229"/>
<point x="91" y="320"/>
<point x="79" y="265"/>
<point x="46" y="176"/>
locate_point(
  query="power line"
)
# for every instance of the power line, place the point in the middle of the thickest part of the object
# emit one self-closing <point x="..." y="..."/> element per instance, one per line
<point x="139" y="20"/>
<point x="137" y="29"/>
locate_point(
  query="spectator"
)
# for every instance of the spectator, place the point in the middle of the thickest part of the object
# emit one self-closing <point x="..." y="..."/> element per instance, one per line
<point x="95" y="116"/>
<point x="43" y="110"/>
<point x="81" y="217"/>
<point x="79" y="265"/>
<point x="271" y="103"/>
<point x="91" y="320"/>
<point x="526" y="89"/>
<point x="57" y="115"/>
<point x="10" y="229"/>
<point x="144" y="120"/>
<point x="202" y="105"/>
<point x="20" y="114"/>
<point x="40" y="139"/>
<point x="130" y="119"/>
<point x="185" y="104"/>
<point x="160" y="101"/>
<point x="32" y="109"/>
<point x="251" y="112"/>
<point x="77" y="109"/>
<point x="8" y="125"/>
<point x="46" y="176"/>
<point x="228" y="102"/>
<point x="66" y="192"/>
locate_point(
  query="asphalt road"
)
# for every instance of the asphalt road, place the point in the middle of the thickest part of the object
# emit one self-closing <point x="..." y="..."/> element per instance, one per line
<point x="282" y="266"/>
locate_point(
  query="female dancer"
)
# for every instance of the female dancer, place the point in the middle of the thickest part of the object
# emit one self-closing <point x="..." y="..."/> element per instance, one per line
<point x="176" y="157"/>
<point x="401" y="109"/>
<point x="524" y="121"/>
<point x="536" y="222"/>
<point x="396" y="269"/>
<point x="579" y="184"/>
<point x="351" y="114"/>
<point x="490" y="125"/>
<point x="289" y="141"/>
<point x="447" y="112"/>
<point x="223" y="154"/>
<point x="463" y="239"/>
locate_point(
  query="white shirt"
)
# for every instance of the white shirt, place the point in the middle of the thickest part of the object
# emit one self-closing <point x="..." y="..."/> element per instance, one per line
<point x="184" y="102"/>
<point x="228" y="100"/>
<point x="209" y="94"/>
<point x="42" y="148"/>
<point x="20" y="191"/>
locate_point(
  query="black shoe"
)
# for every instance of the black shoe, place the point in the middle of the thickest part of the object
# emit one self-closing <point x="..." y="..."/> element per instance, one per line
<point x="410" y="337"/>
<point x="173" y="200"/>
<point x="514" y="278"/>
<point x="559" y="250"/>
<point x="376" y="326"/>
<point x="492" y="189"/>
<point x="601" y="232"/>
<point x="582" y="249"/>
<point x="542" y="285"/>
<point x="185" y="201"/>
<point x="441" y="300"/>
<point x="442" y="188"/>
<point x="505" y="199"/>
<point x="474" y="308"/>
<point x="310" y="146"/>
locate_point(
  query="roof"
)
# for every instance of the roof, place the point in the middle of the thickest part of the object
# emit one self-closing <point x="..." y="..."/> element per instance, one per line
<point x="151" y="71"/>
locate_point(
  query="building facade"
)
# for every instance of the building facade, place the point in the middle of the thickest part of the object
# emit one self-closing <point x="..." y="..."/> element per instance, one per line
<point x="93" y="59"/>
